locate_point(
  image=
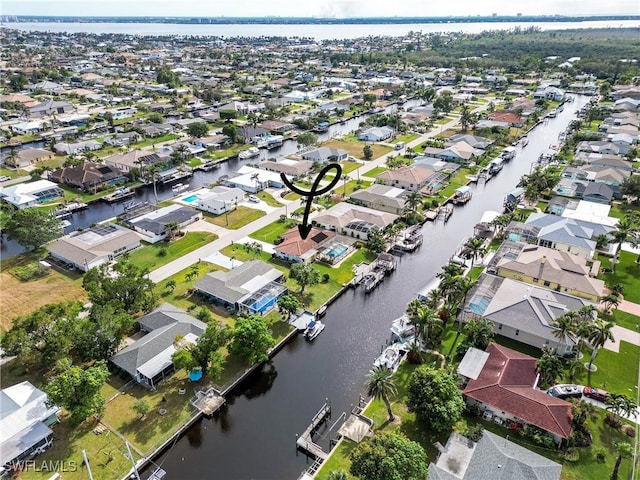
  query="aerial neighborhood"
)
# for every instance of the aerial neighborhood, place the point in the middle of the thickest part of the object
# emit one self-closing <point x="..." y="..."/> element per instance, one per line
<point x="153" y="264"/>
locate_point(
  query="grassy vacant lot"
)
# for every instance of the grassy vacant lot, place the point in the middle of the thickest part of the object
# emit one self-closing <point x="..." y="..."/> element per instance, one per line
<point x="150" y="256"/>
<point x="374" y="172"/>
<point x="273" y="230"/>
<point x="354" y="147"/>
<point x="406" y="138"/>
<point x="268" y="199"/>
<point x="348" y="167"/>
<point x="627" y="274"/>
<point x="238" y="217"/>
<point x="57" y="286"/>
<point x="351" y="187"/>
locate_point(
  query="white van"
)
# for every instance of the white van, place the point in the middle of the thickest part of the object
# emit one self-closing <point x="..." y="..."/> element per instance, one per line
<point x="399" y="146"/>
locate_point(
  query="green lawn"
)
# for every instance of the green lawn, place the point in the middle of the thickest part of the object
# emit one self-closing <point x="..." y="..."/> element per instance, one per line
<point x="355" y="147"/>
<point x="268" y="199"/>
<point x="348" y="167"/>
<point x="374" y="172"/>
<point x="229" y="152"/>
<point x="272" y="231"/>
<point x="627" y="274"/>
<point x="626" y="320"/>
<point x="150" y="256"/>
<point x="351" y="187"/>
<point x="457" y="180"/>
<point x="6" y="172"/>
<point x="147" y="142"/>
<point x="406" y="138"/>
<point x="238" y="217"/>
<point x="339" y="460"/>
<point x="71" y="193"/>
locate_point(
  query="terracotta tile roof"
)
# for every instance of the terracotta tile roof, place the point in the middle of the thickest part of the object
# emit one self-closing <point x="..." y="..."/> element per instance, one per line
<point x="506" y="383"/>
<point x="293" y="244"/>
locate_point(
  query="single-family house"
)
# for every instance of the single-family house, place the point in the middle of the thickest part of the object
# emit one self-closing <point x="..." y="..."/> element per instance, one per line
<point x="521" y="311"/>
<point x="473" y="140"/>
<point x="408" y="177"/>
<point x="326" y="155"/>
<point x="253" y="287"/>
<point x="50" y="107"/>
<point x="550" y="93"/>
<point x="24" y="195"/>
<point x="24" y="424"/>
<point x="253" y="180"/>
<point x="510" y="118"/>
<point x="291" y="168"/>
<point x="216" y="200"/>
<point x="94" y="246"/>
<point x="67" y="148"/>
<point x="89" y="176"/>
<point x="627" y="104"/>
<point x="353" y="220"/>
<point x="213" y="141"/>
<point x="148" y="360"/>
<point x="598" y="192"/>
<point x="550" y="269"/>
<point x="460" y="152"/>
<point x="504" y="385"/>
<point x="28" y="156"/>
<point x="381" y="197"/>
<point x="492" y="457"/>
<point x="376" y="134"/>
<point x="139" y="159"/>
<point x="160" y="224"/>
<point x="294" y="248"/>
<point x="46" y="86"/>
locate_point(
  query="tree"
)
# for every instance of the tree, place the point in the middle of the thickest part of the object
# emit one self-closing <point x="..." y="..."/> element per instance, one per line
<point x="337" y="475"/>
<point x="434" y="397"/>
<point x="538" y="182"/>
<point x="197" y="129"/>
<point x="141" y="407"/>
<point x="473" y="248"/>
<point x="413" y="201"/>
<point x="427" y="325"/>
<point x="376" y="241"/>
<point x="155" y="117"/>
<point x="465" y="118"/>
<point x="549" y="366"/>
<point x="600" y="333"/>
<point x="231" y="131"/>
<point x="305" y="275"/>
<point x="129" y="289"/>
<point x="624" y="450"/>
<point x="389" y="456"/>
<point x="367" y="152"/>
<point x="17" y="82"/>
<point x="289" y="304"/>
<point x="44" y="336"/>
<point x="205" y="353"/>
<point x="444" y="102"/>
<point x="99" y="335"/>
<point x="627" y="230"/>
<point x="255" y="177"/>
<point x="32" y="227"/>
<point x="307" y="139"/>
<point x="380" y="385"/>
<point x="251" y="339"/>
<point x="565" y="326"/>
<point x="479" y="333"/>
<point x="171" y="286"/>
<point x="582" y="411"/>
<point x="345" y="178"/>
<point x="78" y="390"/>
<point x="630" y="188"/>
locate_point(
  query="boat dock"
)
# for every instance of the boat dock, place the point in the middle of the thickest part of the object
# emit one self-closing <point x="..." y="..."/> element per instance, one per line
<point x="445" y="212"/>
<point x="207" y="166"/>
<point x="118" y="195"/>
<point x="208" y="401"/>
<point x="372" y="280"/>
<point x="305" y="443"/>
<point x="68" y="209"/>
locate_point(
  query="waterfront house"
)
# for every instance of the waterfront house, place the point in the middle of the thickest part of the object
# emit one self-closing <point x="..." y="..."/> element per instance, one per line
<point x="253" y="287"/>
<point x="376" y="134"/>
<point x="326" y="155"/>
<point x="216" y="200"/>
<point x="505" y="389"/>
<point x="291" y="168"/>
<point x="521" y="311"/>
<point x="492" y="457"/>
<point x="89" y="176"/>
<point x="159" y="224"/>
<point x="94" y="246"/>
<point x="139" y="159"/>
<point x="67" y="148"/>
<point x="24" y="195"/>
<point x="472" y="140"/>
<point x="252" y="180"/>
<point x="460" y="152"/>
<point x="353" y="220"/>
<point x="148" y="360"/>
<point x="548" y="268"/>
<point x="295" y="249"/>
<point x="24" y="424"/>
<point x="408" y="177"/>
<point x="28" y="156"/>
<point x="380" y="197"/>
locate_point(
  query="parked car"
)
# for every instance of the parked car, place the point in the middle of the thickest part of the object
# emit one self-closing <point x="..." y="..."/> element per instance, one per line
<point x="566" y="391"/>
<point x="595" y="393"/>
<point x="254" y="199"/>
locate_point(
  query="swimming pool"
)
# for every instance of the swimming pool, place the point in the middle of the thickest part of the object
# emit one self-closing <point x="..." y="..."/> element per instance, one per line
<point x="190" y="199"/>
<point x="337" y="251"/>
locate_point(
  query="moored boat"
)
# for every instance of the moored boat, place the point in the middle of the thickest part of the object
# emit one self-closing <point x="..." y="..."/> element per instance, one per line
<point x="314" y="329"/>
<point x="249" y="153"/>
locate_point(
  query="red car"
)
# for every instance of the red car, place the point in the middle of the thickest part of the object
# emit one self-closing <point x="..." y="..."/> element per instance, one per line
<point x="595" y="393"/>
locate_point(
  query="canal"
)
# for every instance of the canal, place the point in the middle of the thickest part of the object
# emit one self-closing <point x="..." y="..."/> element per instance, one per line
<point x="253" y="436"/>
<point x="100" y="211"/>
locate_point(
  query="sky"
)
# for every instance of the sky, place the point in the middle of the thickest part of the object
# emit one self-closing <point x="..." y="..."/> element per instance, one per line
<point x="319" y="8"/>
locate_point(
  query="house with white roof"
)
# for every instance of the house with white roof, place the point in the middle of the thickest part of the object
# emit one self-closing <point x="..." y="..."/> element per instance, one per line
<point x="216" y="200"/>
<point x="25" y="418"/>
<point x="353" y="220"/>
<point x="155" y="226"/>
<point x="381" y="197"/>
<point x="253" y="180"/>
<point x="24" y="195"/>
<point x="376" y="134"/>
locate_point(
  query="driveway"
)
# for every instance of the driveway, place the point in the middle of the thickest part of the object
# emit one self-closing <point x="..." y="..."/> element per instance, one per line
<point x="622" y="334"/>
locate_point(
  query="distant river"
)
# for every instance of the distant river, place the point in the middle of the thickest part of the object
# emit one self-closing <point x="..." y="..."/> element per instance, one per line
<point x="318" y="32"/>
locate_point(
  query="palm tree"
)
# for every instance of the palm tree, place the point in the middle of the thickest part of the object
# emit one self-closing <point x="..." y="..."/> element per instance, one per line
<point x="380" y="384"/>
<point x="501" y="221"/>
<point x="582" y="411"/>
<point x="461" y="289"/>
<point x="549" y="365"/>
<point x="255" y="177"/>
<point x="171" y="228"/>
<point x="412" y="201"/>
<point x="627" y="230"/>
<point x="611" y="300"/>
<point x="573" y="367"/>
<point x="345" y="179"/>
<point x="616" y="403"/>
<point x="624" y="450"/>
<point x="564" y="326"/>
<point x="413" y="308"/>
<point x="337" y="475"/>
<point x="473" y="249"/>
<point x="434" y="298"/>
<point x="600" y="333"/>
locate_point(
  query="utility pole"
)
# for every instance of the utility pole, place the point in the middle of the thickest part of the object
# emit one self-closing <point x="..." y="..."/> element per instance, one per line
<point x="133" y="462"/>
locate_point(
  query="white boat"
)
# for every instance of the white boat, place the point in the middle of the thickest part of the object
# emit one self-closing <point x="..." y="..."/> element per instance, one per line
<point x="313" y="329"/>
<point x="179" y="187"/>
<point x="392" y="356"/>
<point x="249" y="153"/>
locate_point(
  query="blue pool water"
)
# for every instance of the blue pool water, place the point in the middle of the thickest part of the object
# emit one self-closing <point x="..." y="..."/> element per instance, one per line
<point x="336" y="251"/>
<point x="265" y="303"/>
<point x="190" y="198"/>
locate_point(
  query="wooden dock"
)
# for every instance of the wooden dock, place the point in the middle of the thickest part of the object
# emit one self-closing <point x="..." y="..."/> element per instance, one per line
<point x="305" y="443"/>
<point x="445" y="212"/>
<point x="207" y="401"/>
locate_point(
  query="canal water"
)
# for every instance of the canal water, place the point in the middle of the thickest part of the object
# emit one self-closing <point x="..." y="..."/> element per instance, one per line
<point x="253" y="437"/>
<point x="100" y="211"/>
